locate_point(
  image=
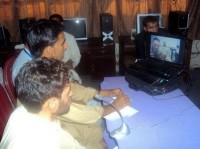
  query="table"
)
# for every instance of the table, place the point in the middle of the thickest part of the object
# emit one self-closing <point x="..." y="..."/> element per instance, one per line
<point x="169" y="121"/>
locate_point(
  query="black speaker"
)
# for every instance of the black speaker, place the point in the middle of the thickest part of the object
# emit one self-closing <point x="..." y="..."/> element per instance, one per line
<point x="24" y="24"/>
<point x="178" y="22"/>
<point x="4" y="37"/>
<point x="106" y="27"/>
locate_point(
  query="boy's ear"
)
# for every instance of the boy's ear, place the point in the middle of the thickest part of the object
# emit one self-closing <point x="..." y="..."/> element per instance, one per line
<point x="48" y="52"/>
<point x="53" y="104"/>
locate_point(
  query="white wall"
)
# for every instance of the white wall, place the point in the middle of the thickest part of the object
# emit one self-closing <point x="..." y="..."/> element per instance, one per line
<point x="117" y="56"/>
<point x="195" y="54"/>
<point x="1" y="76"/>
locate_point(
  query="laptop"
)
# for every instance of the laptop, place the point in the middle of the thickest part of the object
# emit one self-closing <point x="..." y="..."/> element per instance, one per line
<point x="164" y="61"/>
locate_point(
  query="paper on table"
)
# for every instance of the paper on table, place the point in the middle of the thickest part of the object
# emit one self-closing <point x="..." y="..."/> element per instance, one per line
<point x="127" y="111"/>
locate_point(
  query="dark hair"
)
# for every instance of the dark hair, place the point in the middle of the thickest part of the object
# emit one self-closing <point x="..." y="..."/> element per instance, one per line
<point x="42" y="34"/>
<point x="42" y="20"/>
<point x="156" y="39"/>
<point x="40" y="79"/>
<point x="57" y="17"/>
<point x="149" y="19"/>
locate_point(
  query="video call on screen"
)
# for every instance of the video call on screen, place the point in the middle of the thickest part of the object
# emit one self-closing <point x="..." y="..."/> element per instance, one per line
<point x="165" y="48"/>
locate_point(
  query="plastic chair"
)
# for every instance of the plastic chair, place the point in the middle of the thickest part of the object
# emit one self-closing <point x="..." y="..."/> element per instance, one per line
<point x="7" y="78"/>
<point x="6" y="109"/>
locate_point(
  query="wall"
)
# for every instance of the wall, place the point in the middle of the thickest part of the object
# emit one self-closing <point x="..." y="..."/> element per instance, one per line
<point x="195" y="54"/>
<point x="1" y="76"/>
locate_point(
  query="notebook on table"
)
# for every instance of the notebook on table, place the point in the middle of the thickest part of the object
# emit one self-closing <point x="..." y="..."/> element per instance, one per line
<point x="163" y="64"/>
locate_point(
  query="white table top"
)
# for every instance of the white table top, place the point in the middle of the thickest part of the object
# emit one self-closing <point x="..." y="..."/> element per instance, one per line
<point x="169" y="121"/>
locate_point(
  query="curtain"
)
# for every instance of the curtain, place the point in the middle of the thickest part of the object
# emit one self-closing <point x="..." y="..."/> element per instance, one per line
<point x="124" y="12"/>
<point x="194" y="21"/>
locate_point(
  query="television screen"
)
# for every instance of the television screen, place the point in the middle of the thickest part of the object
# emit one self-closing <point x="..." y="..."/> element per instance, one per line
<point x="77" y="27"/>
<point x="167" y="48"/>
<point x="140" y="18"/>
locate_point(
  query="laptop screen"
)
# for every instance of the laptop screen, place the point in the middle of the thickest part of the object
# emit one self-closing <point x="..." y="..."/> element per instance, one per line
<point x="167" y="48"/>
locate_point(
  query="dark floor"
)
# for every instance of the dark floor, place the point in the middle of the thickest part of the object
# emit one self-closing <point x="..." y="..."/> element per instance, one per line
<point x="193" y="91"/>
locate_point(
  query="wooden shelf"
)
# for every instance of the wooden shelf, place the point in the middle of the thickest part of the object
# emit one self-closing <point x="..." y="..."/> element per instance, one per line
<point x="97" y="59"/>
<point x="126" y="52"/>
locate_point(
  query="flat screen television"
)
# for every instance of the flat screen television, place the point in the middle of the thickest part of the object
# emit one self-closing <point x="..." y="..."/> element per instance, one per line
<point x="140" y="18"/>
<point x="167" y="48"/>
<point x="77" y="27"/>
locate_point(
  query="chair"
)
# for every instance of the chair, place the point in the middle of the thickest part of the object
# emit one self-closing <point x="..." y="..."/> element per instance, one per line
<point x="6" y="109"/>
<point x="7" y="78"/>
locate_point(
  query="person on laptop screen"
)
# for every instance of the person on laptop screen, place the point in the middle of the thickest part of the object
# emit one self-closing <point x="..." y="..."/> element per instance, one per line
<point x="166" y="52"/>
<point x="158" y="51"/>
<point x="155" y="46"/>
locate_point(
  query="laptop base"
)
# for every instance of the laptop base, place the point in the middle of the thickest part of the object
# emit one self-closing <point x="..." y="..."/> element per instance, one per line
<point x="152" y="85"/>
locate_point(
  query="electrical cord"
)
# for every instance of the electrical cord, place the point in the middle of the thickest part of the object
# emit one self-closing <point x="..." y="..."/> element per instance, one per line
<point x="167" y="98"/>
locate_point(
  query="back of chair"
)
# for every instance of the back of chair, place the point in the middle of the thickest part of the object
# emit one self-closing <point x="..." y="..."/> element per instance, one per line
<point x="6" y="109"/>
<point x="7" y="77"/>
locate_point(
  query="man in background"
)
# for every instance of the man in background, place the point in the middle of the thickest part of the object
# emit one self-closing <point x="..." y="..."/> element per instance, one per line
<point x="43" y="88"/>
<point x="72" y="53"/>
<point x="150" y="24"/>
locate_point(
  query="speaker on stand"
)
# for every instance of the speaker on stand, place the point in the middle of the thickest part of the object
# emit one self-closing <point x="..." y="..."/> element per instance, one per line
<point x="24" y="24"/>
<point x="178" y="23"/>
<point x="106" y="28"/>
<point x="4" y="37"/>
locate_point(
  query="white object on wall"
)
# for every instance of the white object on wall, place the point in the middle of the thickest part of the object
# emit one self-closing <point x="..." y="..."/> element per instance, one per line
<point x="133" y="33"/>
<point x="195" y="54"/>
<point x="117" y="56"/>
<point x="1" y="76"/>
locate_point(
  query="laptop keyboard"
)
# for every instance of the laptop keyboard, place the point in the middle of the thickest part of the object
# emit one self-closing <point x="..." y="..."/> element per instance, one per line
<point x="157" y="69"/>
<point x="149" y="72"/>
<point x="155" y="66"/>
